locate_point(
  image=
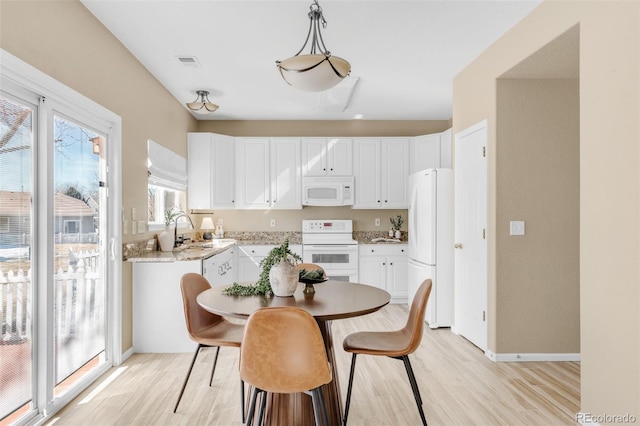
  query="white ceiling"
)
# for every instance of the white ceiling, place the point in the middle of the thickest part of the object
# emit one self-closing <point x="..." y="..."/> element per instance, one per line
<point x="404" y="53"/>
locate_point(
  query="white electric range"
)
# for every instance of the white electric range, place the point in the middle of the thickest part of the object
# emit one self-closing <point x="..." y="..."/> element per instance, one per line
<point x="330" y="244"/>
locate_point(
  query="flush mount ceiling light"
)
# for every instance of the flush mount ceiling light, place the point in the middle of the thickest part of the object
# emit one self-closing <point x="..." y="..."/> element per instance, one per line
<point x="317" y="70"/>
<point x="202" y="104"/>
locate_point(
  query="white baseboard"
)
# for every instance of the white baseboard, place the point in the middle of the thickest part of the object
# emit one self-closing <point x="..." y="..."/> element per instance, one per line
<point x="531" y="357"/>
<point x="127" y="354"/>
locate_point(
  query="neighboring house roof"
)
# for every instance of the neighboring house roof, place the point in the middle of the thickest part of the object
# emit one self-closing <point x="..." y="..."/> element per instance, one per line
<point x="19" y="204"/>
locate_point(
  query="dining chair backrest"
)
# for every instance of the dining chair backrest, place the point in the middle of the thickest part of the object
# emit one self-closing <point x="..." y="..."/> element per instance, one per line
<point x="196" y="317"/>
<point x="283" y="351"/>
<point x="415" y="321"/>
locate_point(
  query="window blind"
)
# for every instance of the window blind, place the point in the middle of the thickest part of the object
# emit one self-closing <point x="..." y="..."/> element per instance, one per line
<point x="166" y="168"/>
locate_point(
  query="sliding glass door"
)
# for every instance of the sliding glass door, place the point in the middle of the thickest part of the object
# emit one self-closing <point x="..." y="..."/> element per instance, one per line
<point x="17" y="118"/>
<point x="79" y="298"/>
<point x="57" y="278"/>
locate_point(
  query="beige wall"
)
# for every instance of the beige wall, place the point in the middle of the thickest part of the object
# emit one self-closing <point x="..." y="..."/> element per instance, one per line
<point x="609" y="187"/>
<point x="538" y="181"/>
<point x="325" y="128"/>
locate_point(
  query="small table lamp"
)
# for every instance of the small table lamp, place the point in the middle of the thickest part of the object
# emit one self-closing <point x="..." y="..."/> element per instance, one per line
<point x="207" y="224"/>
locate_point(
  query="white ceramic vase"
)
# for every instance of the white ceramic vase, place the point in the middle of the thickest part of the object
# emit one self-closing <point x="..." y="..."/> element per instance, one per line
<point x="166" y="239"/>
<point x="398" y="234"/>
<point x="283" y="278"/>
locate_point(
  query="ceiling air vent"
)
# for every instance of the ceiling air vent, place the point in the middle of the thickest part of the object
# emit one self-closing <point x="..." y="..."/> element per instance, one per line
<point x="189" y="61"/>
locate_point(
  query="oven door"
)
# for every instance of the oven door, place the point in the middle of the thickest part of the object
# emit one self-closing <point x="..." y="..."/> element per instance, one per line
<point x="339" y="261"/>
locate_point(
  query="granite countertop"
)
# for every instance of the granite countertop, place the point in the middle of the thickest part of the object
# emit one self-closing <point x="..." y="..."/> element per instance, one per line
<point x="147" y="251"/>
<point x="189" y="251"/>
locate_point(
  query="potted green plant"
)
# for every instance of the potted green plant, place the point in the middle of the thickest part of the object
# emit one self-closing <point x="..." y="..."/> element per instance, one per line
<point x="279" y="275"/>
<point x="397" y="224"/>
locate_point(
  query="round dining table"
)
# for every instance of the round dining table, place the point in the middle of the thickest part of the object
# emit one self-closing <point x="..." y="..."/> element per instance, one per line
<point x="331" y="300"/>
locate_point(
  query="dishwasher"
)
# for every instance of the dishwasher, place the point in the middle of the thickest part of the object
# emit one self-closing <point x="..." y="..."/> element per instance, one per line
<point x="219" y="269"/>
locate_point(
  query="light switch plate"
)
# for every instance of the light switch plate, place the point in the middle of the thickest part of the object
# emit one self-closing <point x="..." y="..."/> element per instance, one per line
<point x="134" y="227"/>
<point x="377" y="221"/>
<point x="125" y="227"/>
<point x="133" y="214"/>
<point x="516" y="227"/>
<point x="273" y="223"/>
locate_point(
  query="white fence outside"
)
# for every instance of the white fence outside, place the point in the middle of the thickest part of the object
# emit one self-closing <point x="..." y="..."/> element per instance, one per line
<point x="79" y="301"/>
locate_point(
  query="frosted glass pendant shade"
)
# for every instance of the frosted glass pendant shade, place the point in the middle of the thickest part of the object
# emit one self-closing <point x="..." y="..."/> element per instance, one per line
<point x="314" y="72"/>
<point x="202" y="105"/>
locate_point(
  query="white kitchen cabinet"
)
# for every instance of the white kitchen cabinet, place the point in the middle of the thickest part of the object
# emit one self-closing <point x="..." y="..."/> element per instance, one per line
<point x="381" y="170"/>
<point x="268" y="173"/>
<point x="327" y="156"/>
<point x="430" y="152"/>
<point x="386" y="267"/>
<point x="253" y="182"/>
<point x="286" y="173"/>
<point x="158" y="313"/>
<point x="250" y="256"/>
<point x="211" y="171"/>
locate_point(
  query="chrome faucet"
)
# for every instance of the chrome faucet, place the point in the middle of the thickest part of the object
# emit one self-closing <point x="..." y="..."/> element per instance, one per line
<point x="175" y="230"/>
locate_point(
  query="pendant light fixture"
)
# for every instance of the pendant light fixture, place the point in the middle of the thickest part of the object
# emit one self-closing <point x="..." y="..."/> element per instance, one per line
<point x="202" y="104"/>
<point x="318" y="70"/>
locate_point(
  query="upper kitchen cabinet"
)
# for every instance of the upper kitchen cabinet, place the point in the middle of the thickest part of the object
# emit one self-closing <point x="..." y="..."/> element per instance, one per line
<point x="430" y="152"/>
<point x="211" y="169"/>
<point x="381" y="170"/>
<point x="327" y="156"/>
<point x="268" y="173"/>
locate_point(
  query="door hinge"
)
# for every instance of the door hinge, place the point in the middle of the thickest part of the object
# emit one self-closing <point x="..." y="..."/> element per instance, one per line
<point x="484" y="234"/>
<point x="484" y="316"/>
<point x="484" y="151"/>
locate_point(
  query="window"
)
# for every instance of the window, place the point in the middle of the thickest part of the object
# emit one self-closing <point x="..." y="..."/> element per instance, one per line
<point x="167" y="183"/>
<point x="162" y="199"/>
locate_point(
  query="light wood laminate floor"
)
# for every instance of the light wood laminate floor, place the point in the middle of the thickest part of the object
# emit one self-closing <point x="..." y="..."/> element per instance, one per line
<point x="459" y="386"/>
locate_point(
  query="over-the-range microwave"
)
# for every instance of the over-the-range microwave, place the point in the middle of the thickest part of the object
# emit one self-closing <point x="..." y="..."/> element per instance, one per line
<point x="327" y="191"/>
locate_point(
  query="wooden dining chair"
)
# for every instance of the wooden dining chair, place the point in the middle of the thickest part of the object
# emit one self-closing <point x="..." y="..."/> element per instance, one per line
<point x="395" y="344"/>
<point x="283" y="352"/>
<point x="205" y="328"/>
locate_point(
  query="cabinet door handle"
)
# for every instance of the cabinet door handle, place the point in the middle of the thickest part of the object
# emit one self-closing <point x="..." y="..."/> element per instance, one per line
<point x="391" y="264"/>
<point x="383" y="264"/>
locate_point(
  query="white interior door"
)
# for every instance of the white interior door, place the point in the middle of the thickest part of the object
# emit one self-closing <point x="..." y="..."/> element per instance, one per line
<point x="470" y="234"/>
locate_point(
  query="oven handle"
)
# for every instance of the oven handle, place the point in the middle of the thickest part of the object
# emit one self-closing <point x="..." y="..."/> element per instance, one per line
<point x="331" y="247"/>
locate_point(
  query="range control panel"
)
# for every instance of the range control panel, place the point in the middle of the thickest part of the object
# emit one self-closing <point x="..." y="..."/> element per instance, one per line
<point x="328" y="226"/>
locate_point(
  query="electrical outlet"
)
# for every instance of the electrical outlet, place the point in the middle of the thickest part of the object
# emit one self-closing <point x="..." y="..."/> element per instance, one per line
<point x="134" y="227"/>
<point x="516" y="227"/>
<point x="377" y="221"/>
<point x="273" y="223"/>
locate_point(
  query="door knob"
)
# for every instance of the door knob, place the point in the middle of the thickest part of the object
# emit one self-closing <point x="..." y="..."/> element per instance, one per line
<point x="458" y="245"/>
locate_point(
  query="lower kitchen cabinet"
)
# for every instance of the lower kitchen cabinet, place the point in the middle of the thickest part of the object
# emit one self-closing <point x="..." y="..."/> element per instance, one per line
<point x="386" y="267"/>
<point x="158" y="314"/>
<point x="250" y="256"/>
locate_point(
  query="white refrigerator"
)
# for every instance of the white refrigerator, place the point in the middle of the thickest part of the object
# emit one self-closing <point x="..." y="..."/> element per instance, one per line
<point x="431" y="242"/>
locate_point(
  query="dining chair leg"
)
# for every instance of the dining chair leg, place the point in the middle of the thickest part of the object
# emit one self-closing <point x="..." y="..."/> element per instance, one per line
<point x="215" y="361"/>
<point x="242" y="402"/>
<point x="346" y="408"/>
<point x="414" y="387"/>
<point x="263" y="405"/>
<point x="186" y="379"/>
<point x="252" y="406"/>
